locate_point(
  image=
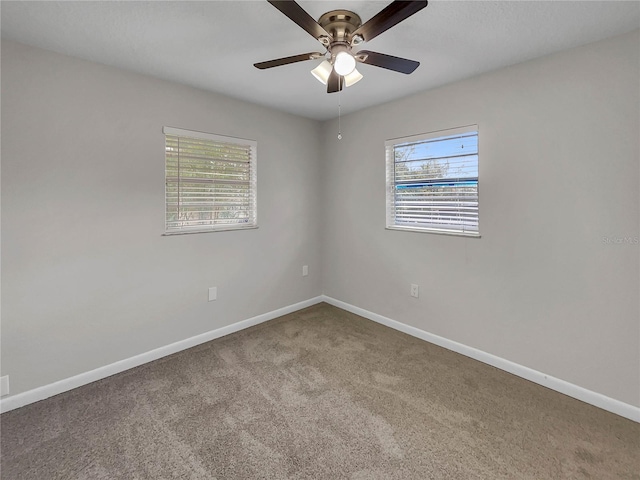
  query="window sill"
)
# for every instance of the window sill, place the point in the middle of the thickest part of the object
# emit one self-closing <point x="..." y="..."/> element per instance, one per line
<point x="209" y="230"/>
<point x="434" y="230"/>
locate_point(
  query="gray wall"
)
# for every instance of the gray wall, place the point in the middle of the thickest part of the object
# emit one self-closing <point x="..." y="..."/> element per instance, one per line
<point x="559" y="166"/>
<point x="87" y="277"/>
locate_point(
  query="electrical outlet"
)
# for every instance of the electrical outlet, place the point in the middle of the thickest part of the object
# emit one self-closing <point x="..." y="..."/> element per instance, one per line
<point x="213" y="293"/>
<point x="4" y="386"/>
<point x="415" y="290"/>
<point x="305" y="270"/>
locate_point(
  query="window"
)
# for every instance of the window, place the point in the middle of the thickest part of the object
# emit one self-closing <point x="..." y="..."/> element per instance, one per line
<point x="210" y="182"/>
<point x="432" y="182"/>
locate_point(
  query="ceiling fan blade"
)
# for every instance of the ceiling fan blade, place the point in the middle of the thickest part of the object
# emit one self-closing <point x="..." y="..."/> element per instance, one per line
<point x="389" y="62"/>
<point x="299" y="16"/>
<point x="287" y="60"/>
<point x="389" y="16"/>
<point x="335" y="82"/>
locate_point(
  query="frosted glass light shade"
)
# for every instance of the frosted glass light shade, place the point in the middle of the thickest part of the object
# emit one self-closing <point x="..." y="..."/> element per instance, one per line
<point x="353" y="77"/>
<point x="322" y="72"/>
<point x="344" y="63"/>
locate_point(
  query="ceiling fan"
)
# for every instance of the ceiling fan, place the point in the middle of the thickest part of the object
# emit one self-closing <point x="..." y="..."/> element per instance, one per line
<point x="339" y="31"/>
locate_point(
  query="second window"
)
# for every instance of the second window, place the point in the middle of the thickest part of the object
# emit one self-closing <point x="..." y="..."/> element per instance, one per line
<point x="432" y="182"/>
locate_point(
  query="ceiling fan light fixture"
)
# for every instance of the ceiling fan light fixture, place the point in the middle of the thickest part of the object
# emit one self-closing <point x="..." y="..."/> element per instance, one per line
<point x="322" y="72"/>
<point x="353" y="77"/>
<point x="344" y="63"/>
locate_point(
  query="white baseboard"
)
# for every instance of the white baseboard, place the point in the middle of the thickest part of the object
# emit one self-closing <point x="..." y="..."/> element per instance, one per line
<point x="593" y="398"/>
<point x="21" y="399"/>
<point x="606" y="403"/>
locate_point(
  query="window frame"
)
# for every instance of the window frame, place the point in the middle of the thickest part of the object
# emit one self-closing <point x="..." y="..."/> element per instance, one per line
<point x="253" y="184"/>
<point x="390" y="145"/>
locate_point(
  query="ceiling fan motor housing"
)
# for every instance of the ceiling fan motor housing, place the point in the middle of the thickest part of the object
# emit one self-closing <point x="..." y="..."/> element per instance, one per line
<point x="340" y="24"/>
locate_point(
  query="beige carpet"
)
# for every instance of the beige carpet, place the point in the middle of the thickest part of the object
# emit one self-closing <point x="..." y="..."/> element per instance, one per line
<point x="320" y="394"/>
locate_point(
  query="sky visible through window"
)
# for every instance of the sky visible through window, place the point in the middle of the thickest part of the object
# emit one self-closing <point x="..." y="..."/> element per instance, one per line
<point x="452" y="157"/>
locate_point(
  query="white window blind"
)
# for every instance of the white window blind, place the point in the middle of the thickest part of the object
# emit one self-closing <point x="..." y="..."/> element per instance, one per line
<point x="210" y="182"/>
<point x="432" y="182"/>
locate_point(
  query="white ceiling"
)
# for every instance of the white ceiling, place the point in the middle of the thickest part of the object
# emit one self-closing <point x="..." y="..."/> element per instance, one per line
<point x="213" y="45"/>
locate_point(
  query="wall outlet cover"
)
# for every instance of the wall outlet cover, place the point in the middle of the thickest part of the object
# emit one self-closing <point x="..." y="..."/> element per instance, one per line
<point x="213" y="293"/>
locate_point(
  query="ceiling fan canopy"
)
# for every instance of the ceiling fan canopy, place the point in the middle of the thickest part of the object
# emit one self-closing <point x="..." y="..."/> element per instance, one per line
<point x="339" y="31"/>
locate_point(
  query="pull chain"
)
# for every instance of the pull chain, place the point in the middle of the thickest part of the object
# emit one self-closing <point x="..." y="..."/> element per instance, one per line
<point x="339" y="112"/>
